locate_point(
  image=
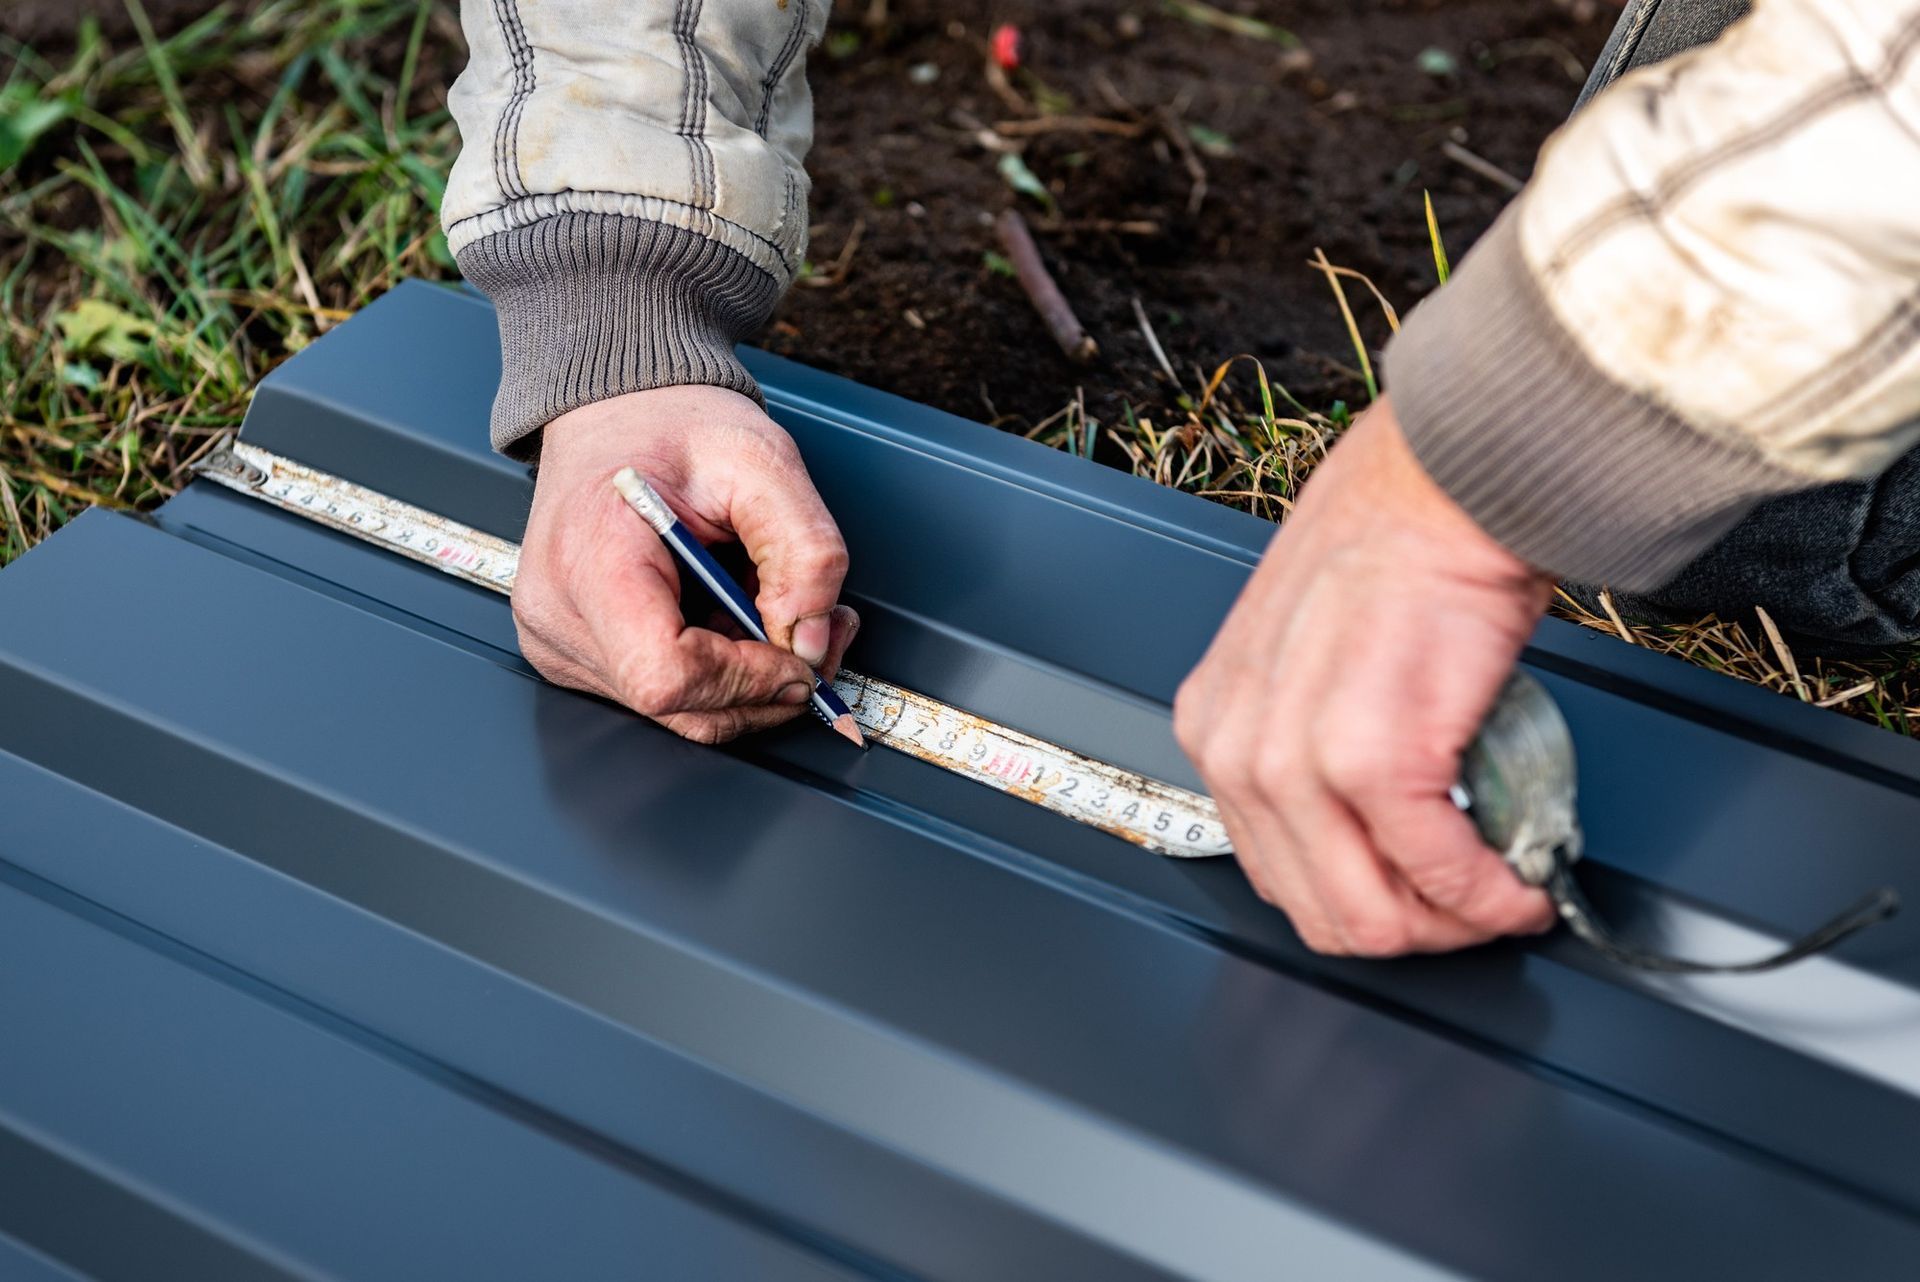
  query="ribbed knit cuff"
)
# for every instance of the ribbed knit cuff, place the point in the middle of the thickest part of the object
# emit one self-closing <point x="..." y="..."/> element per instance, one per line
<point x="1569" y="470"/>
<point x="598" y="305"/>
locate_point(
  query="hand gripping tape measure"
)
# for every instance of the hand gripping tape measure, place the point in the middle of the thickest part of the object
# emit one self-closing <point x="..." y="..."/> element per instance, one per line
<point x="1517" y="779"/>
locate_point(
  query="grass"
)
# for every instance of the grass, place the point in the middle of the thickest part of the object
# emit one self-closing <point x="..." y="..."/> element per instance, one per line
<point x="179" y="215"/>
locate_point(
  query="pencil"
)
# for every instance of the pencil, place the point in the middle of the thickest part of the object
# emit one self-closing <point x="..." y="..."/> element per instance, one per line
<point x="653" y="509"/>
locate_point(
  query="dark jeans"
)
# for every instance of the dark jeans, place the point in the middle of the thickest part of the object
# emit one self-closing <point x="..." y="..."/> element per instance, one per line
<point x="1838" y="568"/>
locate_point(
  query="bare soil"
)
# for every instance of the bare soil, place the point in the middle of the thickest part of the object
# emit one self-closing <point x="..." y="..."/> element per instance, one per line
<point x="1330" y="147"/>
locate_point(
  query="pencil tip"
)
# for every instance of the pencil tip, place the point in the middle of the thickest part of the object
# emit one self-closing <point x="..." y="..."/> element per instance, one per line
<point x="845" y="726"/>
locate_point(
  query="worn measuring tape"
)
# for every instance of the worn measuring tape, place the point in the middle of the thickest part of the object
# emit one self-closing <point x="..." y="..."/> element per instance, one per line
<point x="1517" y="781"/>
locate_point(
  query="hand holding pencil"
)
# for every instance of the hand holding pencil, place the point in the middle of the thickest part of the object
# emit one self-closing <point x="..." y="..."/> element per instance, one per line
<point x="653" y="509"/>
<point x="597" y="602"/>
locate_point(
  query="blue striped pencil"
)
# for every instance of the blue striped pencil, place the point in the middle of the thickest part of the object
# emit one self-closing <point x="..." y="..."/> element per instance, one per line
<point x="653" y="509"/>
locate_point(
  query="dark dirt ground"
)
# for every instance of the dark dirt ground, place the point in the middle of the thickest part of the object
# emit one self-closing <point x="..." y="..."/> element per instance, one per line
<point x="1329" y="147"/>
<point x="1334" y="154"/>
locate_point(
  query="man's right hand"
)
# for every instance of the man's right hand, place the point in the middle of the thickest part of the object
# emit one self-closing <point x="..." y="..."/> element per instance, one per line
<point x="597" y="600"/>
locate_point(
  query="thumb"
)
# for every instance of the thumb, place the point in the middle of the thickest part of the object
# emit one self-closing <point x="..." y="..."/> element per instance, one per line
<point x="799" y="555"/>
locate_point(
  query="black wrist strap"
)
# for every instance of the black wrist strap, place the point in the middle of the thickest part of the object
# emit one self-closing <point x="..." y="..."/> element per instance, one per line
<point x="1575" y="909"/>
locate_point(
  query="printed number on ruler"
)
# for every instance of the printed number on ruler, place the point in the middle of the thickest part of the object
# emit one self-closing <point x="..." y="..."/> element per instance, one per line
<point x="1147" y="812"/>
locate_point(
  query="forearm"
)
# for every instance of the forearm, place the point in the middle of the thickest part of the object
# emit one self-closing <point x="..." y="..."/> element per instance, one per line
<point x="1705" y="297"/>
<point x="630" y="191"/>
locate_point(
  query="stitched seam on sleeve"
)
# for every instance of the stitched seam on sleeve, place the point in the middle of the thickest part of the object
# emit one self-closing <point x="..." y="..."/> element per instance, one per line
<point x="693" y="101"/>
<point x="792" y="216"/>
<point x="524" y="82"/>
<point x="506" y="161"/>
<point x="777" y="72"/>
<point x="499" y="167"/>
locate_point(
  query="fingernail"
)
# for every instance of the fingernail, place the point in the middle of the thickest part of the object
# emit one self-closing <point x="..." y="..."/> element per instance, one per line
<point x="810" y="637"/>
<point x="798" y="692"/>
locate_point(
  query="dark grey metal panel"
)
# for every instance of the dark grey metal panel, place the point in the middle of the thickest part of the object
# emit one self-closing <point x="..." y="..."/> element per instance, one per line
<point x="857" y="1006"/>
<point x="161" y="1118"/>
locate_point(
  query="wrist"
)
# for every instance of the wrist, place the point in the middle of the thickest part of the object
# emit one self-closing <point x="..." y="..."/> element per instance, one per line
<point x="1437" y="530"/>
<point x="645" y="421"/>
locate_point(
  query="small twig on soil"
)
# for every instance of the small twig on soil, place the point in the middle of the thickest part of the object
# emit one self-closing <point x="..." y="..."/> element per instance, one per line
<point x="1003" y="89"/>
<point x="1551" y="49"/>
<point x="1041" y="289"/>
<point x="1105" y="87"/>
<point x="1480" y="165"/>
<point x="981" y="136"/>
<point x="1153" y="341"/>
<point x="1068" y="125"/>
<point x="837" y="274"/>
<point x="1110" y="226"/>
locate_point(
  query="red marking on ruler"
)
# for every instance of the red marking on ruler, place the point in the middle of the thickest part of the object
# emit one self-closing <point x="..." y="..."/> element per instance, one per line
<point x="1012" y="767"/>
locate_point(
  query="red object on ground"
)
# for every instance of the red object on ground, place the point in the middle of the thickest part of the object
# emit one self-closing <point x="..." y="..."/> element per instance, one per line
<point x="1006" y="46"/>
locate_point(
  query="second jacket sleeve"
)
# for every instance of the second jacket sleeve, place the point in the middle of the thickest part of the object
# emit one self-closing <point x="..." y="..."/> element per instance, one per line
<point x="1706" y="296"/>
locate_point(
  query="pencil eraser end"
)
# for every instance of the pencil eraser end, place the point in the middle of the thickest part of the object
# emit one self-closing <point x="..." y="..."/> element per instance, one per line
<point x="644" y="499"/>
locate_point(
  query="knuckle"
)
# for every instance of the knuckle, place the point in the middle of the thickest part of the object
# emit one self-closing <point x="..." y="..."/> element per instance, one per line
<point x="1349" y="762"/>
<point x="1227" y="769"/>
<point x="824" y="556"/>
<point x="804" y="582"/>
<point x="1226" y="758"/>
<point x="1279" y="771"/>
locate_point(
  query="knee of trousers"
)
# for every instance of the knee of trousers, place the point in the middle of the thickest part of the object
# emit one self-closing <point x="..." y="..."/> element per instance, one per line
<point x="1837" y="568"/>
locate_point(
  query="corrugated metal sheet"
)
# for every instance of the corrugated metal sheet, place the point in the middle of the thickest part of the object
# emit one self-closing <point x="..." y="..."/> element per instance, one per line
<point x="333" y="944"/>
